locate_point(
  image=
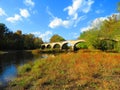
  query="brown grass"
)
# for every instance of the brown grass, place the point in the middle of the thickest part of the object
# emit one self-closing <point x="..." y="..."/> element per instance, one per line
<point x="72" y="71"/>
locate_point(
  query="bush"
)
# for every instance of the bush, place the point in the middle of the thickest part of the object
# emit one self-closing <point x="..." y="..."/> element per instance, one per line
<point x="81" y="45"/>
<point x="23" y="69"/>
<point x="104" y="45"/>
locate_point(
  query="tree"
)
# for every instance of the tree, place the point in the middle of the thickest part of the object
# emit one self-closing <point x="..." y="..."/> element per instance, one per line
<point x="3" y="32"/>
<point x="106" y="37"/>
<point x="56" y="38"/>
<point x="118" y="7"/>
<point x="37" y="42"/>
<point x="28" y="41"/>
<point x="18" y="32"/>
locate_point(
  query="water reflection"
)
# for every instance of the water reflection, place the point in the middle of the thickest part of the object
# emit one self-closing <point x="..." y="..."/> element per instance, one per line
<point x="10" y="61"/>
<point x="8" y="74"/>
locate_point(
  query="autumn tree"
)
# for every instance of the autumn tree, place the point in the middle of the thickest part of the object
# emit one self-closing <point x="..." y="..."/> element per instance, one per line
<point x="56" y="38"/>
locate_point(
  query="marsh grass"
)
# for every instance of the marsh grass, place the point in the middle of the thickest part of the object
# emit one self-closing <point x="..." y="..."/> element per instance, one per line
<point x="71" y="71"/>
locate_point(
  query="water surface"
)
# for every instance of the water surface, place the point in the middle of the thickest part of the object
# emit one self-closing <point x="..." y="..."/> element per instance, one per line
<point x="10" y="61"/>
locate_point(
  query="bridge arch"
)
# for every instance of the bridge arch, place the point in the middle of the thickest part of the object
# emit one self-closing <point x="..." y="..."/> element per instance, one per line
<point x="49" y="46"/>
<point x="43" y="47"/>
<point x="56" y="46"/>
<point x="74" y="47"/>
<point x="64" y="46"/>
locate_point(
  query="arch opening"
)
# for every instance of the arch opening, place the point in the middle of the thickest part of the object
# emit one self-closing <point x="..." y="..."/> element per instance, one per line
<point x="56" y="46"/>
<point x="65" y="46"/>
<point x="48" y="46"/>
<point x="43" y="47"/>
<point x="80" y="45"/>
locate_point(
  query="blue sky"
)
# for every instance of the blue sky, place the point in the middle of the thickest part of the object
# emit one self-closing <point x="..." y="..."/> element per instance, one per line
<point x="44" y="18"/>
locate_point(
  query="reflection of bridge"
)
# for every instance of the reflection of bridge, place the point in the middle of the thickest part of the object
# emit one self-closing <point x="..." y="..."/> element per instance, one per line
<point x="61" y="45"/>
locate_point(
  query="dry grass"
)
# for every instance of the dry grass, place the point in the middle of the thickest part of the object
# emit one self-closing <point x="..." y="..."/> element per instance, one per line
<point x="72" y="71"/>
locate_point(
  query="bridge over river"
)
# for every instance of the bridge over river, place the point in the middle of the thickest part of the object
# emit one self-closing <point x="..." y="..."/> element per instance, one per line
<point x="62" y="45"/>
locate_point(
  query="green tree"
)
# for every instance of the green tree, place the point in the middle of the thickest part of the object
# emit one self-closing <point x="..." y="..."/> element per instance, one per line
<point x="37" y="42"/>
<point x="28" y="41"/>
<point x="118" y="7"/>
<point x="81" y="45"/>
<point x="3" y="31"/>
<point x="106" y="37"/>
<point x="56" y="38"/>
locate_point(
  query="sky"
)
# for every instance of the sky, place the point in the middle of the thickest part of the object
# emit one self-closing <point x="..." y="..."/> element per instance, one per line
<point x="44" y="18"/>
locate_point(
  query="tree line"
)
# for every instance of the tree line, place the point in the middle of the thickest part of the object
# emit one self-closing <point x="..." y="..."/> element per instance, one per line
<point x="16" y="40"/>
<point x="106" y="37"/>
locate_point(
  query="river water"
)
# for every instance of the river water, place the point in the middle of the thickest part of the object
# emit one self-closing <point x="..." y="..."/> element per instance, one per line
<point x="10" y="61"/>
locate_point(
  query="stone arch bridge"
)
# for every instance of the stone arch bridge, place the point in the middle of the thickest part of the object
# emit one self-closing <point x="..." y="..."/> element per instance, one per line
<point x="61" y="44"/>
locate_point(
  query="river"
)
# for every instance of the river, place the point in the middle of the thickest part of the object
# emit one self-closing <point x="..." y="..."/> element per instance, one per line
<point x="10" y="61"/>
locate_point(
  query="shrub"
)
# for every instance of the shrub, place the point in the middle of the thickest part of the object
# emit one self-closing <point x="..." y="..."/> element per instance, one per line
<point x="23" y="69"/>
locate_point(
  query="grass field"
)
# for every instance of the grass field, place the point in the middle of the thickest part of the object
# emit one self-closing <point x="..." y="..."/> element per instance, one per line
<point x="71" y="71"/>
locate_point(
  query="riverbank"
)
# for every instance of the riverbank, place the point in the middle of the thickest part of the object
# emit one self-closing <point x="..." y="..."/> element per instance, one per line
<point x="80" y="70"/>
<point x="3" y="52"/>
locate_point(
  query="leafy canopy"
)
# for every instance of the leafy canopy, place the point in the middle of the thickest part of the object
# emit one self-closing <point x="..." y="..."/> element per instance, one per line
<point x="56" y="38"/>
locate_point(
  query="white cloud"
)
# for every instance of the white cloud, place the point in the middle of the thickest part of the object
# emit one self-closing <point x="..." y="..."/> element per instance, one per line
<point x="86" y="7"/>
<point x="14" y="19"/>
<point x="45" y="36"/>
<point x="96" y="23"/>
<point x="19" y="17"/>
<point x="99" y="11"/>
<point x="55" y="22"/>
<point x="79" y="6"/>
<point x="29" y="3"/>
<point x="59" y="22"/>
<point x="73" y="18"/>
<point x="24" y="13"/>
<point x="85" y="28"/>
<point x="79" y="19"/>
<point x="72" y="10"/>
<point x="2" y="12"/>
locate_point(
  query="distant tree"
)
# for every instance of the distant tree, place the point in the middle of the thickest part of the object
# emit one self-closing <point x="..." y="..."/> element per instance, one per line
<point x="17" y="40"/>
<point x="37" y="42"/>
<point x="56" y="38"/>
<point x="28" y="41"/>
<point x="18" y="32"/>
<point x="118" y="7"/>
<point x="3" y="31"/>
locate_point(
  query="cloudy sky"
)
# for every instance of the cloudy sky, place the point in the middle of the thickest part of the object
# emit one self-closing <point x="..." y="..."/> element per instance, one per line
<point x="44" y="18"/>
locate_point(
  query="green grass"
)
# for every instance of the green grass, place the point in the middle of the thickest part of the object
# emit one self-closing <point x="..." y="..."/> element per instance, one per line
<point x="71" y="71"/>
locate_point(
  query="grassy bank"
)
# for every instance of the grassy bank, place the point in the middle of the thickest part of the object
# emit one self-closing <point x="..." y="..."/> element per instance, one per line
<point x="2" y="52"/>
<point x="71" y="71"/>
